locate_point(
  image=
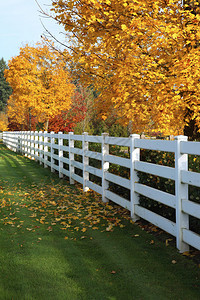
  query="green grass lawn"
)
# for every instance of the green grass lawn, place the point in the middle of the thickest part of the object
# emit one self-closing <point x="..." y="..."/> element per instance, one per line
<point x="58" y="243"/>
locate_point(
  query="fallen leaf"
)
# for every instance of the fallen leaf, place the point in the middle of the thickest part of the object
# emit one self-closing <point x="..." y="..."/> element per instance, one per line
<point x="167" y="241"/>
<point x="109" y="228"/>
<point x="49" y="228"/>
<point x="174" y="261"/>
<point x="113" y="272"/>
<point x="188" y="253"/>
<point x="33" y="215"/>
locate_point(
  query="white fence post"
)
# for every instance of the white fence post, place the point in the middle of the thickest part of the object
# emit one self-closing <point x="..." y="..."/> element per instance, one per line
<point x="52" y="151"/>
<point x="9" y="139"/>
<point x="134" y="156"/>
<point x="41" y="148"/>
<point x="18" y="142"/>
<point x="15" y="141"/>
<point x="22" y="137"/>
<point x="60" y="154"/>
<point x="181" y="191"/>
<point x="71" y="158"/>
<point x="29" y="144"/>
<point x="12" y="142"/>
<point x="36" y="145"/>
<point x="45" y="148"/>
<point x="32" y="145"/>
<point x="105" y="166"/>
<point x="26" y="143"/>
<point x="85" y="162"/>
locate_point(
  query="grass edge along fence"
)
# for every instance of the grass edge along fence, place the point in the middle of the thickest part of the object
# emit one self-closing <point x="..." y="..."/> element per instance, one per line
<point x="58" y="151"/>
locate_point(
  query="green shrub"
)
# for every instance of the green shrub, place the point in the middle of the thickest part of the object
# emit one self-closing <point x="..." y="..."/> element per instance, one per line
<point x="167" y="185"/>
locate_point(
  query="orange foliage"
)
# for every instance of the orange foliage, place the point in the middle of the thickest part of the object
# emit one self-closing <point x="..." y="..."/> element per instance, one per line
<point x="41" y="84"/>
<point x="67" y="121"/>
<point x="140" y="56"/>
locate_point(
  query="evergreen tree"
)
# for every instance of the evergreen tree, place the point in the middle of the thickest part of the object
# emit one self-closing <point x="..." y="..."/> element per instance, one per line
<point x="5" y="89"/>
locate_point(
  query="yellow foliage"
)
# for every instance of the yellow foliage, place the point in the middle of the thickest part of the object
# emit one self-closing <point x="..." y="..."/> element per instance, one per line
<point x="140" y="56"/>
<point x="3" y="122"/>
<point x="40" y="82"/>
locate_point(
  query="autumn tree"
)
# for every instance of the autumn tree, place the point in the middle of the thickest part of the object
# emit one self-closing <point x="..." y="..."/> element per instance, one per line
<point x="191" y="128"/>
<point x="140" y="56"/>
<point x="41" y="85"/>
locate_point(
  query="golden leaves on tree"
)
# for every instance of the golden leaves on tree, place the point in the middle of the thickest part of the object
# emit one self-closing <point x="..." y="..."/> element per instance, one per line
<point x="41" y="84"/>
<point x="141" y="56"/>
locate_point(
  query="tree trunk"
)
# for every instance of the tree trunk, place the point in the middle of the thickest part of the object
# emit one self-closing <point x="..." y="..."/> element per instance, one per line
<point x="29" y="125"/>
<point x="46" y="125"/>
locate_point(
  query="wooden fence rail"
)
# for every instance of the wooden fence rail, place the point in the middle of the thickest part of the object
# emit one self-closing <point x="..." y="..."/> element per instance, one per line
<point x="58" y="151"/>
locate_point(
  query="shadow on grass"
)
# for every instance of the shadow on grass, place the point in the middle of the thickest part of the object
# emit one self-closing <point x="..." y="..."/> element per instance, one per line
<point x="110" y="266"/>
<point x="42" y="264"/>
<point x="19" y="168"/>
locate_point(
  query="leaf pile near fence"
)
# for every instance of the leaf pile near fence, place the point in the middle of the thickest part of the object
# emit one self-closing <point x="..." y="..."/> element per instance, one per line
<point x="150" y="178"/>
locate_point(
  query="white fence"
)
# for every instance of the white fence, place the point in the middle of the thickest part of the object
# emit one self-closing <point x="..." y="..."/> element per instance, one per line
<point x="58" y="151"/>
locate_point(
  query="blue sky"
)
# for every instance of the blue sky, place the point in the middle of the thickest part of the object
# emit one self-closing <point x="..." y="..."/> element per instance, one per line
<point x="20" y="24"/>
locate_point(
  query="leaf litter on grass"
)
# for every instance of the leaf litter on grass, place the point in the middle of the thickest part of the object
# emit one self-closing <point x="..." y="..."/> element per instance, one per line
<point x="65" y="207"/>
<point x="56" y="204"/>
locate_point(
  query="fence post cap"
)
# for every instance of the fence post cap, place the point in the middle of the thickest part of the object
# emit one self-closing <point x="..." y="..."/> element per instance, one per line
<point x="181" y="138"/>
<point x="105" y="134"/>
<point x="135" y="136"/>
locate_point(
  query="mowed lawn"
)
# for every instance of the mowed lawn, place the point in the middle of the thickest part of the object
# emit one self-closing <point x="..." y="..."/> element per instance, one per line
<point x="58" y="243"/>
